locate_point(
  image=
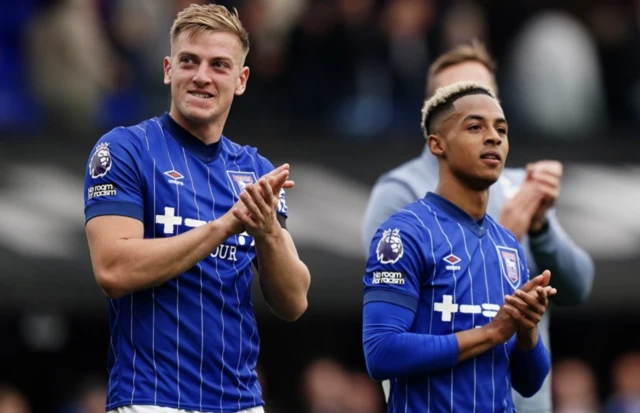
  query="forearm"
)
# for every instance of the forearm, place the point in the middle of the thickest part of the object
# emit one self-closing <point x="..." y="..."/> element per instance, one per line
<point x="392" y="351"/>
<point x="136" y="264"/>
<point x="529" y="368"/>
<point x="284" y="278"/>
<point x="571" y="267"/>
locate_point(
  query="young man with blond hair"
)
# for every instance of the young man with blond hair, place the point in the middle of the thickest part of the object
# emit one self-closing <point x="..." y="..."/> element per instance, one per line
<point x="176" y="214"/>
<point x="521" y="200"/>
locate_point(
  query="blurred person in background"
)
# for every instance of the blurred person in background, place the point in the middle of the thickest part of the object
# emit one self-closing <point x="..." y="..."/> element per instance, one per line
<point x="329" y="388"/>
<point x="554" y="78"/>
<point x="74" y="64"/>
<point x="625" y="375"/>
<point x="575" y="388"/>
<point x="176" y="215"/>
<point x="523" y="200"/>
<point x="90" y="397"/>
<point x="12" y="400"/>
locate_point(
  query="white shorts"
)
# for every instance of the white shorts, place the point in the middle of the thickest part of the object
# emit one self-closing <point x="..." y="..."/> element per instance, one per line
<point x="158" y="409"/>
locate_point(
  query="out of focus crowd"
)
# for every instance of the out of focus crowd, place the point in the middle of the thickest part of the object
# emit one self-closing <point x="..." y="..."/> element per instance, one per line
<point x="326" y="386"/>
<point x="567" y="68"/>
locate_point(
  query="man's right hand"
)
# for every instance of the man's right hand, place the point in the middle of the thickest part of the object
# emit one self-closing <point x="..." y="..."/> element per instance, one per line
<point x="504" y="325"/>
<point x="518" y="212"/>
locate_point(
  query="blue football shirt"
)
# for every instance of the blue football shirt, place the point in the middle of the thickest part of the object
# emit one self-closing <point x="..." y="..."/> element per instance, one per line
<point x="453" y="273"/>
<point x="191" y="343"/>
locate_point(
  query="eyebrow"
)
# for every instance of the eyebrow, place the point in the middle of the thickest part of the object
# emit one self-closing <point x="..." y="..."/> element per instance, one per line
<point x="186" y="53"/>
<point x="482" y="118"/>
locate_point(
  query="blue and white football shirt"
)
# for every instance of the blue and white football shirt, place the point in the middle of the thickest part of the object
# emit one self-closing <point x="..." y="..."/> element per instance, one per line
<point x="452" y="272"/>
<point x="191" y="343"/>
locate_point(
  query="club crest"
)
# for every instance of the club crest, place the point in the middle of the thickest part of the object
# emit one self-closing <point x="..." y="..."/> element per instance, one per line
<point x="510" y="265"/>
<point x="390" y="247"/>
<point x="241" y="179"/>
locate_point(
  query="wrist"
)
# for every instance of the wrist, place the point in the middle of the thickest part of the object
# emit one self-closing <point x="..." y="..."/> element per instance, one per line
<point x="491" y="335"/>
<point x="272" y="236"/>
<point x="539" y="226"/>
<point x="225" y="226"/>
<point x="526" y="340"/>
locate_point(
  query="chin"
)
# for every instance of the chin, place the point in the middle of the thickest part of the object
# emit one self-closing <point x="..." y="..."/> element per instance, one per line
<point x="481" y="183"/>
<point x="197" y="115"/>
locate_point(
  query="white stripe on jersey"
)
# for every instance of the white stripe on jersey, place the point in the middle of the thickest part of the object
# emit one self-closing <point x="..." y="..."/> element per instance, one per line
<point x="433" y="294"/>
<point x="473" y="317"/>
<point x="195" y="201"/>
<point x="249" y="314"/>
<point x="177" y="278"/>
<point x="153" y="289"/>
<point x="133" y="390"/>
<point x="115" y="354"/>
<point x="504" y="346"/>
<point x="433" y="300"/>
<point x="493" y="352"/>
<point x="455" y="283"/>
<point x="213" y="212"/>
<point x="235" y="284"/>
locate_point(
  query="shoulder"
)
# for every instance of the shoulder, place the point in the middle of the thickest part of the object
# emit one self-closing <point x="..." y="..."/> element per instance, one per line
<point x="134" y="137"/>
<point x="411" y="219"/>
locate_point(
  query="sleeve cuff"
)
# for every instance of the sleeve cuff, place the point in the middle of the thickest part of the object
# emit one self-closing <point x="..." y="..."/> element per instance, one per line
<point x="125" y="209"/>
<point x="536" y="352"/>
<point x="454" y="349"/>
<point x="543" y="241"/>
<point x="390" y="296"/>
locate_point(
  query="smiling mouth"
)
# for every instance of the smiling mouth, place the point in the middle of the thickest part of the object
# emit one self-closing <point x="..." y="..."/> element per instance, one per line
<point x="201" y="95"/>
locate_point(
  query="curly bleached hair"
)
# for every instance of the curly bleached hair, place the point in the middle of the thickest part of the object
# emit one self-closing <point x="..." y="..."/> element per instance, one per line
<point x="444" y="98"/>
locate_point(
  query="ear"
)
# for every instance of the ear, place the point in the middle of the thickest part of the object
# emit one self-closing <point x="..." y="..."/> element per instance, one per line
<point x="242" y="81"/>
<point x="437" y="145"/>
<point x="167" y="70"/>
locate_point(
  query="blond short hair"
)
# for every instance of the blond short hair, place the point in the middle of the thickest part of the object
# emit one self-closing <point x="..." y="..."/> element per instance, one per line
<point x="197" y="19"/>
<point x="445" y="96"/>
<point x="474" y="52"/>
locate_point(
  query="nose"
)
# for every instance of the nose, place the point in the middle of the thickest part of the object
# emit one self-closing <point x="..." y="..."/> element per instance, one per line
<point x="201" y="77"/>
<point x="493" y="138"/>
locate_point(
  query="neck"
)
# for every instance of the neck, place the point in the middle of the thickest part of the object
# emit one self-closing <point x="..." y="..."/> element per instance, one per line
<point x="472" y="201"/>
<point x="208" y="133"/>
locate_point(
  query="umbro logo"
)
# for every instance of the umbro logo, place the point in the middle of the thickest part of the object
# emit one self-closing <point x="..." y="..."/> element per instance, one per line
<point x="175" y="177"/>
<point x="452" y="260"/>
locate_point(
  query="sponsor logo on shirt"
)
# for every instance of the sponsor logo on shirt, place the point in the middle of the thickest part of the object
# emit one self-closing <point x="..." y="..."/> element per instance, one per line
<point x="101" y="190"/>
<point x="388" y="277"/>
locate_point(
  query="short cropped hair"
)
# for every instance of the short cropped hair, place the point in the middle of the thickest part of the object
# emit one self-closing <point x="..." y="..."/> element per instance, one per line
<point x="444" y="98"/>
<point x="474" y="52"/>
<point x="197" y="19"/>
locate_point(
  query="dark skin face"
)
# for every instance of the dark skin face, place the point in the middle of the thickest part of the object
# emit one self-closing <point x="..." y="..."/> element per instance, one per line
<point x="471" y="142"/>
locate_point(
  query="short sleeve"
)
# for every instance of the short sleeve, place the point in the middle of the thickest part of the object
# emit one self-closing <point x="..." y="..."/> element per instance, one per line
<point x="113" y="184"/>
<point x="395" y="264"/>
<point x="267" y="167"/>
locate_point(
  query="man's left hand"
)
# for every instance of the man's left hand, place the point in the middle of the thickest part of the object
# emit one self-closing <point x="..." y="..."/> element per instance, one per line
<point x="548" y="176"/>
<point x="259" y="218"/>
